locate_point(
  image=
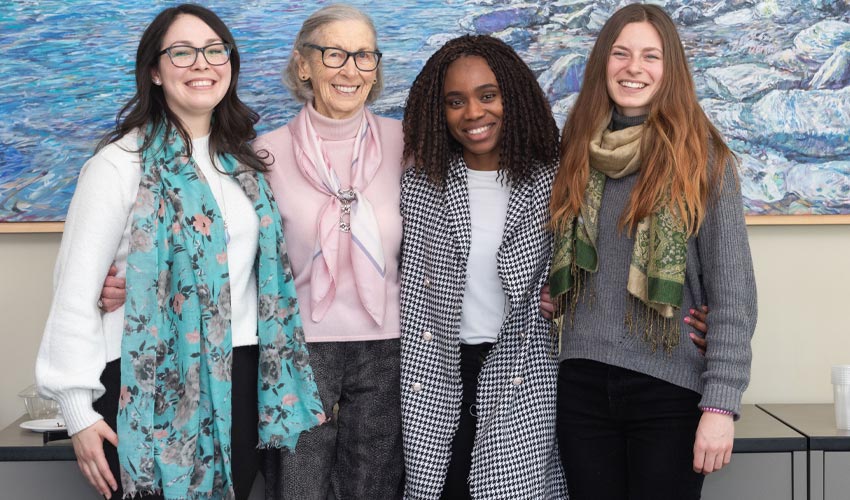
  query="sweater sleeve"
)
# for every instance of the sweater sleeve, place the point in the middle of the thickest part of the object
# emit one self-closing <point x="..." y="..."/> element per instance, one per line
<point x="73" y="355"/>
<point x="729" y="282"/>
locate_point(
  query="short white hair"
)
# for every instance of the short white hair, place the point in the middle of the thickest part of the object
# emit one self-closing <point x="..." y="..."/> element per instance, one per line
<point x="303" y="90"/>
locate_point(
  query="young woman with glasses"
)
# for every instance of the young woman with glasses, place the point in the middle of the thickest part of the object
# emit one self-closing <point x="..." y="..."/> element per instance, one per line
<point x="175" y="197"/>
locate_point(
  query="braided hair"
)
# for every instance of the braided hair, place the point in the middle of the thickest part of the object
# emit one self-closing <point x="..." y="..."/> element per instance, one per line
<point x="529" y="134"/>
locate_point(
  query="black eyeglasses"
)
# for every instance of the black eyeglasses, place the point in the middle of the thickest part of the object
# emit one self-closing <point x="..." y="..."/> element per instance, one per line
<point x="333" y="57"/>
<point x="183" y="56"/>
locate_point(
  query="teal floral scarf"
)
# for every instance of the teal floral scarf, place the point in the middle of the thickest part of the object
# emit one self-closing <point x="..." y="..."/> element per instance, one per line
<point x="174" y="410"/>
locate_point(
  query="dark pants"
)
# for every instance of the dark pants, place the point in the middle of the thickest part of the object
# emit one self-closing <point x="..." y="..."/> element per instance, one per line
<point x="624" y="435"/>
<point x="245" y="461"/>
<point x="457" y="477"/>
<point x="357" y="454"/>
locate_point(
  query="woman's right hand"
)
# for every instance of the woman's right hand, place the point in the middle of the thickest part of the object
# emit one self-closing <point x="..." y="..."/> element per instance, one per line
<point x="547" y="307"/>
<point x="114" y="292"/>
<point x="88" y="446"/>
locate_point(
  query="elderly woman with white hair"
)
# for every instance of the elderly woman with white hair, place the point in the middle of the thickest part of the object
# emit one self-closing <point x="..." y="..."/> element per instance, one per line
<point x="336" y="176"/>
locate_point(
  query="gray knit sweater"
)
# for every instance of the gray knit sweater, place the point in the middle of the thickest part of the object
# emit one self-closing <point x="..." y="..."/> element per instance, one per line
<point x="719" y="273"/>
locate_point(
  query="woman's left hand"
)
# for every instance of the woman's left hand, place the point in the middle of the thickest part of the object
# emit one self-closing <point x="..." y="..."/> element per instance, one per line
<point x="114" y="292"/>
<point x="697" y="319"/>
<point x="713" y="444"/>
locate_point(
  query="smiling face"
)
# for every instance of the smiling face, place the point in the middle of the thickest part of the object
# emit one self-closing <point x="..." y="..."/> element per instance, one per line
<point x="635" y="68"/>
<point x="473" y="104"/>
<point x="192" y="93"/>
<point x="338" y="92"/>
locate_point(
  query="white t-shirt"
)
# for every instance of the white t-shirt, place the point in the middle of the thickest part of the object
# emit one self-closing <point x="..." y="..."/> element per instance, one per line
<point x="484" y="300"/>
<point x="244" y="228"/>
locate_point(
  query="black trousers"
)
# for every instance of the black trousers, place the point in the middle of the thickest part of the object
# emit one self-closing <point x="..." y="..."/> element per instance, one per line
<point x="625" y="435"/>
<point x="471" y="360"/>
<point x="245" y="461"/>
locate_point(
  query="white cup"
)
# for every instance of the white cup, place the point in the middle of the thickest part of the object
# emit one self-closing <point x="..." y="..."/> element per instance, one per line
<point x="841" y="395"/>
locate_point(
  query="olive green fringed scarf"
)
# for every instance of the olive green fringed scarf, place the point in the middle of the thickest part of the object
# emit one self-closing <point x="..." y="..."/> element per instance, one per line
<point x="657" y="271"/>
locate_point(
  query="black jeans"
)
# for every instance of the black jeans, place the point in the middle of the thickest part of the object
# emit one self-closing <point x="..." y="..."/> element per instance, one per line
<point x="471" y="360"/>
<point x="245" y="457"/>
<point x="625" y="435"/>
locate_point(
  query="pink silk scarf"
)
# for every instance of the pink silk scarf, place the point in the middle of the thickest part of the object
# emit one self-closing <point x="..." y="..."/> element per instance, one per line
<point x="367" y="256"/>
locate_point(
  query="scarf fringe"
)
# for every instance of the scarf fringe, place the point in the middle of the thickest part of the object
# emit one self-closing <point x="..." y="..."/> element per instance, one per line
<point x="656" y="330"/>
<point x="582" y="290"/>
<point x="230" y="495"/>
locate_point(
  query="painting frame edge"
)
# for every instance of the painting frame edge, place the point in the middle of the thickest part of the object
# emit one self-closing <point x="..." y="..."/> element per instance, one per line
<point x="797" y="220"/>
<point x="31" y="227"/>
<point x="752" y="220"/>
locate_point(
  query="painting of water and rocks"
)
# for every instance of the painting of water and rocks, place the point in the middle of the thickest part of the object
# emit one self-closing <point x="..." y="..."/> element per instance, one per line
<point x="773" y="75"/>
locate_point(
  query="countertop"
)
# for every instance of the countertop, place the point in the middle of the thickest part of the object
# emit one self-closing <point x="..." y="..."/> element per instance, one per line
<point x="759" y="432"/>
<point x="815" y="421"/>
<point x="21" y="445"/>
<point x="756" y="432"/>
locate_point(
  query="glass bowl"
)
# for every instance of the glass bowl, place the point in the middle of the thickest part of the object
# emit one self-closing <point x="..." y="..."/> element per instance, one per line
<point x="37" y="406"/>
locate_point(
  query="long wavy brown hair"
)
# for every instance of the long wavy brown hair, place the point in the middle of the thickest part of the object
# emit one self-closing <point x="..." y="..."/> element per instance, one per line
<point x="233" y="122"/>
<point x="529" y="133"/>
<point x="683" y="156"/>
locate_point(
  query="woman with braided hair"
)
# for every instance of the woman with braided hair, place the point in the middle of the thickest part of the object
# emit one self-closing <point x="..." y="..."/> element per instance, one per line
<point x="649" y="222"/>
<point x="479" y="369"/>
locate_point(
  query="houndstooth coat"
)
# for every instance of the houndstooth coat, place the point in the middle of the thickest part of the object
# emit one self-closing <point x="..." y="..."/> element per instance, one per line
<point x="515" y="455"/>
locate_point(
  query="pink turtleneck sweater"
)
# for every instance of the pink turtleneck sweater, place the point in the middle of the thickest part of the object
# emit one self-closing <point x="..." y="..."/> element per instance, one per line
<point x="299" y="203"/>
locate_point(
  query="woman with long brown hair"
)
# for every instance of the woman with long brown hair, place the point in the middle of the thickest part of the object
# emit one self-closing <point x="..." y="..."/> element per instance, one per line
<point x="648" y="223"/>
<point x="169" y="395"/>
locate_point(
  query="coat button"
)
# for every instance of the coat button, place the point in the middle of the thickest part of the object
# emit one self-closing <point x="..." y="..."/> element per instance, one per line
<point x="427" y="336"/>
<point x="517" y="381"/>
<point x="523" y="334"/>
<point x="416" y="387"/>
<point x="427" y="282"/>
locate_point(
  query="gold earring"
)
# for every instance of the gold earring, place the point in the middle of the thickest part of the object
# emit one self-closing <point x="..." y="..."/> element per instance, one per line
<point x="304" y="78"/>
<point x="374" y="81"/>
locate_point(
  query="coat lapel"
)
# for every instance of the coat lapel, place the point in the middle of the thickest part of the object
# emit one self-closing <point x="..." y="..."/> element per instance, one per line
<point x="519" y="236"/>
<point x="457" y="210"/>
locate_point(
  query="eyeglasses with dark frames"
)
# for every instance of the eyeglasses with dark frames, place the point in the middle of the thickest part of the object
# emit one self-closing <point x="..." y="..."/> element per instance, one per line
<point x="183" y="56"/>
<point x="334" y="57"/>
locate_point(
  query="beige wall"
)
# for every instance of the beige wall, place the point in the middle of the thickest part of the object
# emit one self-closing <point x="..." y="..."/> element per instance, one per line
<point x="803" y="274"/>
<point x="26" y="285"/>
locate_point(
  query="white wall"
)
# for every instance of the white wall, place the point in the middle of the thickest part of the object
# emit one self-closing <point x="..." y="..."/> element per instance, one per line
<point x="803" y="275"/>
<point x="26" y="286"/>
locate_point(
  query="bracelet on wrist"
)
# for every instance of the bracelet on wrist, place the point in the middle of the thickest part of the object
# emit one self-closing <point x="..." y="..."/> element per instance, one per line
<point x="719" y="411"/>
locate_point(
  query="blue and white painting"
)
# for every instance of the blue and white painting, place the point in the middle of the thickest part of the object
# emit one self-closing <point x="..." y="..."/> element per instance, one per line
<point x="773" y="75"/>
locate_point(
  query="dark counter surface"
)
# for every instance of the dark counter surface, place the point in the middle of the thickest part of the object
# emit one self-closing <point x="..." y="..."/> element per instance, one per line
<point x="815" y="421"/>
<point x="21" y="445"/>
<point x="759" y="432"/>
<point x="755" y="432"/>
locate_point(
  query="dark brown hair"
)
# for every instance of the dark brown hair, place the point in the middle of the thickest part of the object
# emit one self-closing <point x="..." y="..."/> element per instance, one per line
<point x="233" y="121"/>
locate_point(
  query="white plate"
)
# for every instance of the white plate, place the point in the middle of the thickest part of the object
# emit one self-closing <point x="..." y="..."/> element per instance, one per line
<point x="44" y="425"/>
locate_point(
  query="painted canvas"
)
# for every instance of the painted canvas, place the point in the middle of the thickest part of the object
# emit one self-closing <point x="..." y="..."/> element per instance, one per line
<point x="773" y="75"/>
